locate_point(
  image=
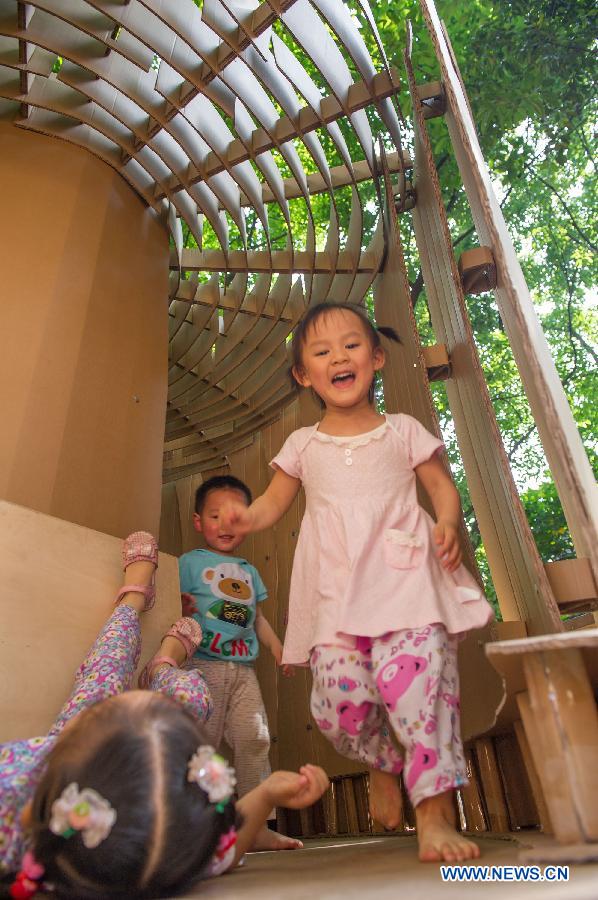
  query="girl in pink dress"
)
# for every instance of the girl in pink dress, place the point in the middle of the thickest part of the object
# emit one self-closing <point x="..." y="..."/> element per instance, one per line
<point x="378" y="594"/>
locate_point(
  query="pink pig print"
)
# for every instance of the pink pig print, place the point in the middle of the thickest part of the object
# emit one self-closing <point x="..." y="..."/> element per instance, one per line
<point x="324" y="724"/>
<point x="396" y="677"/>
<point x="451" y="699"/>
<point x="351" y="718"/>
<point x="423" y="758"/>
<point x="431" y="725"/>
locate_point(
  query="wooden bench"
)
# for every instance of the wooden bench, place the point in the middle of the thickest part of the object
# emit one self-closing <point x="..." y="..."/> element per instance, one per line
<point x="554" y="679"/>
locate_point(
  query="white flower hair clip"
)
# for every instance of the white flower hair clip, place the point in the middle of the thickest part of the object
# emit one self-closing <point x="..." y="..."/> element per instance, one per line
<point x="85" y="811"/>
<point x="213" y="774"/>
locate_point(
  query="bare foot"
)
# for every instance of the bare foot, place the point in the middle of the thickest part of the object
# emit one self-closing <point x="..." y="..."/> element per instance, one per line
<point x="385" y="799"/>
<point x="437" y="835"/>
<point x="266" y="839"/>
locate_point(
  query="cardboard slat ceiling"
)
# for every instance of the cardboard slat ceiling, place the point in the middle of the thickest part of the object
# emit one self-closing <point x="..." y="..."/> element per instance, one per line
<point x="222" y="115"/>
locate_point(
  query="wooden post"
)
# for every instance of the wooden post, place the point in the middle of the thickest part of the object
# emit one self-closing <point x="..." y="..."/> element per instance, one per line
<point x="558" y="709"/>
<point x="532" y="774"/>
<point x="518" y="574"/>
<point x="491" y="785"/>
<point x="473" y="805"/>
<point x="558" y="432"/>
<point x="561" y="705"/>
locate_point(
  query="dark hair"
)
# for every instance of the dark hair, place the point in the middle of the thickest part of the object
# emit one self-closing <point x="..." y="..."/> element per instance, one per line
<point x="165" y="832"/>
<point x="319" y="311"/>
<point x="218" y="482"/>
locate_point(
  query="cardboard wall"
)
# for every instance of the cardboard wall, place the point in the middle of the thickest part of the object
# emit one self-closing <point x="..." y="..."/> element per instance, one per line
<point x="59" y="581"/>
<point x="83" y="338"/>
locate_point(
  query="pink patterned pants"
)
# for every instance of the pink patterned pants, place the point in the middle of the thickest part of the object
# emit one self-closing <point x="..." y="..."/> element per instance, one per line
<point x="401" y="687"/>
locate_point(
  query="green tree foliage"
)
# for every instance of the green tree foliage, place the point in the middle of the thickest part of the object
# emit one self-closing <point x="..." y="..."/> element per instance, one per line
<point x="529" y="69"/>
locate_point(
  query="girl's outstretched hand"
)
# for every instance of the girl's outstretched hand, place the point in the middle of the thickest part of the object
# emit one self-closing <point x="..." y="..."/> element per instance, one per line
<point x="235" y="517"/>
<point x="296" y="790"/>
<point x="448" y="548"/>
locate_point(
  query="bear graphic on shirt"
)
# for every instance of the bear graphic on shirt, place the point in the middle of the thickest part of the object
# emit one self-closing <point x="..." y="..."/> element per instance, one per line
<point x="232" y="587"/>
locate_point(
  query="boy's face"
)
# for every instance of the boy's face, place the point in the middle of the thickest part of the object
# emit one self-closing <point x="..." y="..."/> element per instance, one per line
<point x="206" y="522"/>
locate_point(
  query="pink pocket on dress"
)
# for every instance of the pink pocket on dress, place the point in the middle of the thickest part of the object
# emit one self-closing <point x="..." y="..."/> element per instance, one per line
<point x="402" y="549"/>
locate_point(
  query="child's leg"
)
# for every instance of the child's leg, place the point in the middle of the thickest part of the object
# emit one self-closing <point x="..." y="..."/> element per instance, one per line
<point x="416" y="675"/>
<point x="185" y="685"/>
<point x="246" y="729"/>
<point x="347" y="711"/>
<point x="214" y="674"/>
<point x="109" y="666"/>
<point x="247" y="734"/>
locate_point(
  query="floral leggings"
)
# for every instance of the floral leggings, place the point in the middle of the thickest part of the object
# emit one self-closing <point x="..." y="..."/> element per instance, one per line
<point x="406" y="683"/>
<point x="107" y="670"/>
<point x="109" y="667"/>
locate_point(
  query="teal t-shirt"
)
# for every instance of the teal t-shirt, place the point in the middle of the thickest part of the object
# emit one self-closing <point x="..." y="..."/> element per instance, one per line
<point x="226" y="590"/>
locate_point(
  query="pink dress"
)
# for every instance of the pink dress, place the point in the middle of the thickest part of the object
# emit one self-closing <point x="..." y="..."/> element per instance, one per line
<point x="365" y="561"/>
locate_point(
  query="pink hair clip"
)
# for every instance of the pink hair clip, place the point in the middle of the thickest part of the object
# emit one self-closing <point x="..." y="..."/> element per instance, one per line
<point x="26" y="883"/>
<point x="224" y="854"/>
<point x="213" y="774"/>
<point x="85" y="811"/>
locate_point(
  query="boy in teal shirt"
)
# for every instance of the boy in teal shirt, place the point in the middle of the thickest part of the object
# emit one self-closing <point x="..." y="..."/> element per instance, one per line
<point x="223" y="592"/>
<point x="226" y="591"/>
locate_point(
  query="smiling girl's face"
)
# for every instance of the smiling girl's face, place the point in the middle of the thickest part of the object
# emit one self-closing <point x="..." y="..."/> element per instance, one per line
<point x="338" y="360"/>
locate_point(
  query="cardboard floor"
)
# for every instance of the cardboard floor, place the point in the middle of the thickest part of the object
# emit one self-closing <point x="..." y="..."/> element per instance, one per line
<point x="386" y="868"/>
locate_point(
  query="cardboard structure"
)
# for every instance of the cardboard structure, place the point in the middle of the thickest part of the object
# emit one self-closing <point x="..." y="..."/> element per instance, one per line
<point x="166" y="151"/>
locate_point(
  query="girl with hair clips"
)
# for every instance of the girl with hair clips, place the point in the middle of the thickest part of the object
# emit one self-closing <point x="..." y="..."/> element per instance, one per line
<point x="378" y="594"/>
<point x="123" y="798"/>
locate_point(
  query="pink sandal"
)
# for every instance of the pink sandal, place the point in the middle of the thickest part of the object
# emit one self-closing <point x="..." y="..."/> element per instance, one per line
<point x="185" y="630"/>
<point x="141" y="546"/>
